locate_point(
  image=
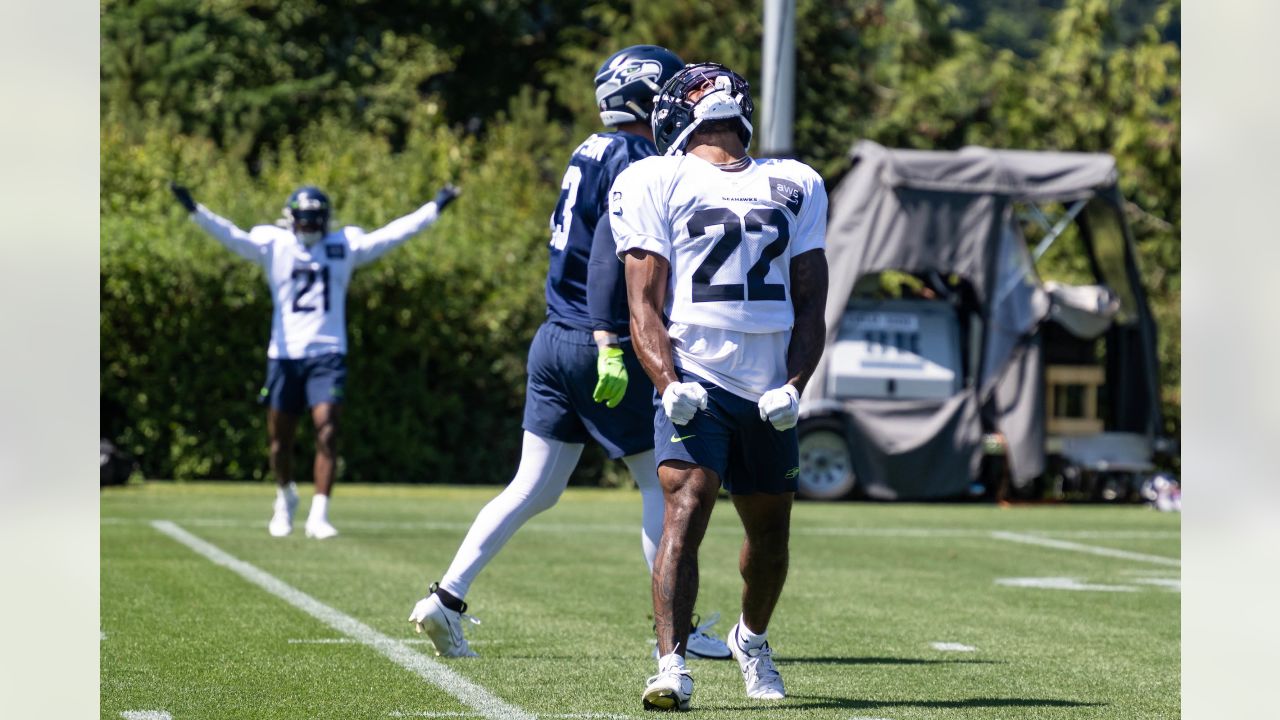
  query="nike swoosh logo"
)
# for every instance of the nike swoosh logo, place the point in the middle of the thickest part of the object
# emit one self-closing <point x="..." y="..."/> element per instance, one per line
<point x="675" y="438"/>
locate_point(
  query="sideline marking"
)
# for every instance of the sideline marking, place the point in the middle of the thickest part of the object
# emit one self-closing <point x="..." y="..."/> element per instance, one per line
<point x="344" y="641"/>
<point x="1061" y="583"/>
<point x="146" y="715"/>
<point x="434" y="672"/>
<point x="952" y="647"/>
<point x="1091" y="549"/>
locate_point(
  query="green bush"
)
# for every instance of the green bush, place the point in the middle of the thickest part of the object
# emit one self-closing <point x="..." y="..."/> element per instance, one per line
<point x="438" y="328"/>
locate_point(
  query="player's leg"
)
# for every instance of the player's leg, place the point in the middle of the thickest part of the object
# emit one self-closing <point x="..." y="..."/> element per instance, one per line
<point x="282" y="394"/>
<point x="325" y="417"/>
<point x="281" y="428"/>
<point x="540" y="479"/>
<point x="690" y="493"/>
<point x="543" y="474"/>
<point x="765" y="555"/>
<point x="764" y="468"/>
<point x="325" y="378"/>
<point x="644" y="470"/>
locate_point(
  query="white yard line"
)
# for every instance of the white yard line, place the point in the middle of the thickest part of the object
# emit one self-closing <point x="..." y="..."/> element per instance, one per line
<point x="1091" y="549"/>
<point x="468" y="693"/>
<point x="146" y="715"/>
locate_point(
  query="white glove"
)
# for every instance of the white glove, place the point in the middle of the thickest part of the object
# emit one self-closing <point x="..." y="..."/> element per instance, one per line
<point x="682" y="400"/>
<point x="781" y="406"/>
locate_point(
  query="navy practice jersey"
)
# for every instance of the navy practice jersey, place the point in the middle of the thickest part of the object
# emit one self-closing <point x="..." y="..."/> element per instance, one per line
<point x="584" y="199"/>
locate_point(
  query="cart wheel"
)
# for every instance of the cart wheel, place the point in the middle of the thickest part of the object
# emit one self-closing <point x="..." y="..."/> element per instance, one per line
<point x="826" y="470"/>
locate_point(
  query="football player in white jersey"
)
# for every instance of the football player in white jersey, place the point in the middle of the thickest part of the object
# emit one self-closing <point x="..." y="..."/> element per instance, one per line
<point x="308" y="267"/>
<point x="726" y="281"/>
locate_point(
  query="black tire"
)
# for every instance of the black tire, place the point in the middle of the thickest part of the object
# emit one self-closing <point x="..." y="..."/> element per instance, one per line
<point x="826" y="467"/>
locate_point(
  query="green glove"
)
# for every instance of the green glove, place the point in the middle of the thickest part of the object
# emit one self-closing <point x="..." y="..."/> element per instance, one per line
<point x="612" y="384"/>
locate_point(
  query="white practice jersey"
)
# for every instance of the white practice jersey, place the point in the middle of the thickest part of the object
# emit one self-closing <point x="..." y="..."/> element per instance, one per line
<point x="309" y="284"/>
<point x="729" y="238"/>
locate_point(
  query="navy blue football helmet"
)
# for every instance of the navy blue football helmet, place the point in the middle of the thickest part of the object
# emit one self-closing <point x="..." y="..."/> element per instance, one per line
<point x="307" y="212"/>
<point x="628" y="81"/>
<point x="700" y="93"/>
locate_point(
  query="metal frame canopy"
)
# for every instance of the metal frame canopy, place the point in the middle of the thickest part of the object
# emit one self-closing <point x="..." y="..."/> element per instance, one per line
<point x="953" y="213"/>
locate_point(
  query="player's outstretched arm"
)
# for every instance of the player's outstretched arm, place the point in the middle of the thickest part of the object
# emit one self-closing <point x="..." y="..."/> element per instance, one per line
<point x="372" y="245"/>
<point x="221" y="229"/>
<point x="183" y="196"/>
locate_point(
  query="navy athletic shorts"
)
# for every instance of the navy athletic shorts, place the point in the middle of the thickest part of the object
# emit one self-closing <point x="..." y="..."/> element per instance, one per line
<point x="748" y="453"/>
<point x="557" y="400"/>
<point x="294" y="385"/>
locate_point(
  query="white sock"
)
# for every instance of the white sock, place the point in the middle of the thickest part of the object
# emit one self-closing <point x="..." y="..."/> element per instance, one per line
<point x="748" y="640"/>
<point x="644" y="470"/>
<point x="287" y="493"/>
<point x="670" y="662"/>
<point x="319" y="508"/>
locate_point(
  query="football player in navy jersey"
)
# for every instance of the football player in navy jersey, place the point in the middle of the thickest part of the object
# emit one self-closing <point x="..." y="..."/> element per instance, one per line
<point x="308" y="267"/>
<point x="584" y="381"/>
<point x="727" y="282"/>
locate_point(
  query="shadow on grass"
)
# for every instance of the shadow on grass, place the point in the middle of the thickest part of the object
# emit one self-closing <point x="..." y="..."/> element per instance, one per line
<point x="788" y="660"/>
<point x="817" y="702"/>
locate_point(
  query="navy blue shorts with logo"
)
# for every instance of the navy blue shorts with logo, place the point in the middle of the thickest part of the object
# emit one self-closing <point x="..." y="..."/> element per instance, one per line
<point x="562" y="378"/>
<point x="292" y="386"/>
<point x="748" y="453"/>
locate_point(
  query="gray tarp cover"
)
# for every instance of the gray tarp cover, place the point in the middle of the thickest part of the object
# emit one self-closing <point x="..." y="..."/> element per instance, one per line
<point x="921" y="211"/>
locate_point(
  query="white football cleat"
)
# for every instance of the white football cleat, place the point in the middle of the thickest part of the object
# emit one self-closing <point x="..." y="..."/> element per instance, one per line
<point x="702" y="645"/>
<point x="281" y="523"/>
<point x="320" y="529"/>
<point x="758" y="671"/>
<point x="442" y="625"/>
<point x="670" y="689"/>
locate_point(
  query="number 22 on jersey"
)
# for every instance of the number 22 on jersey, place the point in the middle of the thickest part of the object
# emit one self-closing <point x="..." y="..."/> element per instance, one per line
<point x="734" y="226"/>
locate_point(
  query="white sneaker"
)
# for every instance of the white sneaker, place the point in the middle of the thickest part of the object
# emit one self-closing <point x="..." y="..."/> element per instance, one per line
<point x="758" y="671"/>
<point x="670" y="689"/>
<point x="443" y="626"/>
<point x="702" y="645"/>
<point x="282" y="513"/>
<point x="320" y="529"/>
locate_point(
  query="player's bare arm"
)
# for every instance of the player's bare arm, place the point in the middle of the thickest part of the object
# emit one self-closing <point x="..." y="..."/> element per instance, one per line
<point x="646" y="275"/>
<point x="809" y="299"/>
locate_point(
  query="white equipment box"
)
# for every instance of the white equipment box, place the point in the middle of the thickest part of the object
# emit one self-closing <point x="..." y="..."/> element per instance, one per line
<point x="907" y="349"/>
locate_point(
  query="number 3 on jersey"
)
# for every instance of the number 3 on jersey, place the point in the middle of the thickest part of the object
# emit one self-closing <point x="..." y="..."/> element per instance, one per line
<point x="754" y="222"/>
<point x="562" y="217"/>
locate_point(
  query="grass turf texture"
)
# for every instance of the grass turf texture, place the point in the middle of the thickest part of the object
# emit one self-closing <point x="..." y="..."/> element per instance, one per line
<point x="567" y="616"/>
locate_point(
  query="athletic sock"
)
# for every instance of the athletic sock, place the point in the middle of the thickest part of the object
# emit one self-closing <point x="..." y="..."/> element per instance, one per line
<point x="285" y="493"/>
<point x="673" y="661"/>
<point x="319" y="508"/>
<point x="448" y="599"/>
<point x="748" y="640"/>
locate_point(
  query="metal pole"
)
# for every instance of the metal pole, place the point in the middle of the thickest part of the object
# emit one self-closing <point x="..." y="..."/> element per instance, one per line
<point x="778" y="78"/>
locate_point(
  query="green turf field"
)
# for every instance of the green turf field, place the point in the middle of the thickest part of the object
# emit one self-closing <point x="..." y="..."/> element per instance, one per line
<point x="944" y="612"/>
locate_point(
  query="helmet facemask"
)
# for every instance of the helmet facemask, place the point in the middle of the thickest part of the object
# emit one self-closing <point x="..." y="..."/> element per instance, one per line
<point x="307" y="213"/>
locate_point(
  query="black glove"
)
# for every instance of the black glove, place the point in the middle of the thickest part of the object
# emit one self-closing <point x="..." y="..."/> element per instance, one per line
<point x="446" y="196"/>
<point x="183" y="196"/>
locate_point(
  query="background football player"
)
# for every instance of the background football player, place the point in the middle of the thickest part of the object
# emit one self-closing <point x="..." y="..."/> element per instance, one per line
<point x="308" y="268"/>
<point x="730" y="250"/>
<point x="580" y="357"/>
